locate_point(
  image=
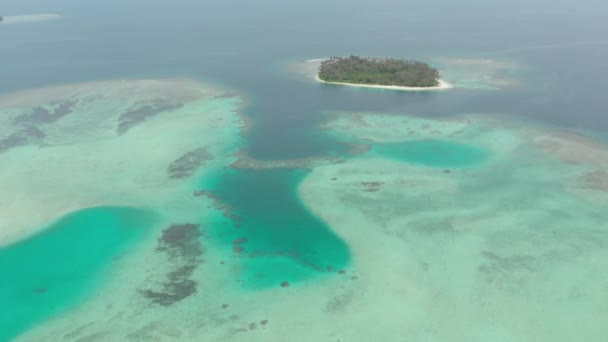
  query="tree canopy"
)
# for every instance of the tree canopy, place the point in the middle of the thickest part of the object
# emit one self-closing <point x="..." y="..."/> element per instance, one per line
<point x="379" y="71"/>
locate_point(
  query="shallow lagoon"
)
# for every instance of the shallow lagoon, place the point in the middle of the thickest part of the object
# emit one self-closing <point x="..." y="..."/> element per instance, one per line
<point x="433" y="153"/>
<point x="56" y="269"/>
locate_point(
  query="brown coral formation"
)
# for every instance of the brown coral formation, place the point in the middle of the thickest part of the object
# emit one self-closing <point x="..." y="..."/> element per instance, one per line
<point x="180" y="243"/>
<point x="371" y="186"/>
<point x="22" y="137"/>
<point x="186" y="165"/>
<point x="227" y="210"/>
<point x="41" y="114"/>
<point x="596" y="180"/>
<point x="136" y="116"/>
<point x="246" y="161"/>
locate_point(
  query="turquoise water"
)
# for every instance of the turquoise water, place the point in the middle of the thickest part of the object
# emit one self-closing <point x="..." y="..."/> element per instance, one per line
<point x="433" y="153"/>
<point x="276" y="238"/>
<point x="48" y="273"/>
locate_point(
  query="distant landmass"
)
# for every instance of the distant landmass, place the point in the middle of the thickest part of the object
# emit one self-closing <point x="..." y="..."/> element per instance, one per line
<point x="357" y="70"/>
<point x="17" y="19"/>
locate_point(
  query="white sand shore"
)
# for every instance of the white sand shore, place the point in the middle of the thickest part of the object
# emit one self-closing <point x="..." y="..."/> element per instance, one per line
<point x="443" y="85"/>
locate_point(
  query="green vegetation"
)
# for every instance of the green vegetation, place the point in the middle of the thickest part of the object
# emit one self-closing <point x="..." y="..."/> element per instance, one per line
<point x="378" y="71"/>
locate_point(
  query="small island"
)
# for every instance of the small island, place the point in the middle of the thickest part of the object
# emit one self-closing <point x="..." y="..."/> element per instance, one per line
<point x="387" y="73"/>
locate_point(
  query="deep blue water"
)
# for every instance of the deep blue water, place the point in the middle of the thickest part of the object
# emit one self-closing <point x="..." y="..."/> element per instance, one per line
<point x="244" y="45"/>
<point x="274" y="235"/>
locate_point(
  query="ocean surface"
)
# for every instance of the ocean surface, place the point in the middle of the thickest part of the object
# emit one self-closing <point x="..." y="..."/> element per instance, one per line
<point x="265" y="224"/>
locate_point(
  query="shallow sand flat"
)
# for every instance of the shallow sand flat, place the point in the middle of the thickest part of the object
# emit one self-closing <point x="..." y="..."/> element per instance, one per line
<point x="500" y="251"/>
<point x="115" y="142"/>
<point x="363" y="128"/>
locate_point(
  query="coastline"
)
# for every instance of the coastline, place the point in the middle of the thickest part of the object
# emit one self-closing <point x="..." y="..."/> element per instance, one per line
<point x="443" y="85"/>
<point x="30" y="18"/>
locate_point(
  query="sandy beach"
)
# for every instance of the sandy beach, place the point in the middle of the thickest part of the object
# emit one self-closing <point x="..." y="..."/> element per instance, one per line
<point x="443" y="85"/>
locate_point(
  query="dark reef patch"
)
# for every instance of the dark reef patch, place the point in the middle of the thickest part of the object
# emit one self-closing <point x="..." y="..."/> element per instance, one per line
<point x="186" y="165"/>
<point x="155" y="331"/>
<point x="596" y="180"/>
<point x="40" y="290"/>
<point x="227" y="210"/>
<point x="177" y="287"/>
<point x="22" y="137"/>
<point x="240" y="241"/>
<point x="371" y="186"/>
<point x="508" y="272"/>
<point x="95" y="337"/>
<point x="180" y="242"/>
<point x="339" y="302"/>
<point x="77" y="332"/>
<point x="134" y="117"/>
<point x="356" y="149"/>
<point x="41" y="114"/>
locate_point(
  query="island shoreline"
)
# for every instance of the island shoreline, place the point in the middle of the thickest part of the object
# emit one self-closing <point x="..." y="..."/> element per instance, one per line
<point x="443" y="85"/>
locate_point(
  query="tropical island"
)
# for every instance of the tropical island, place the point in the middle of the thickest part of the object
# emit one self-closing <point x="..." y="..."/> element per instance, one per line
<point x="388" y="73"/>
